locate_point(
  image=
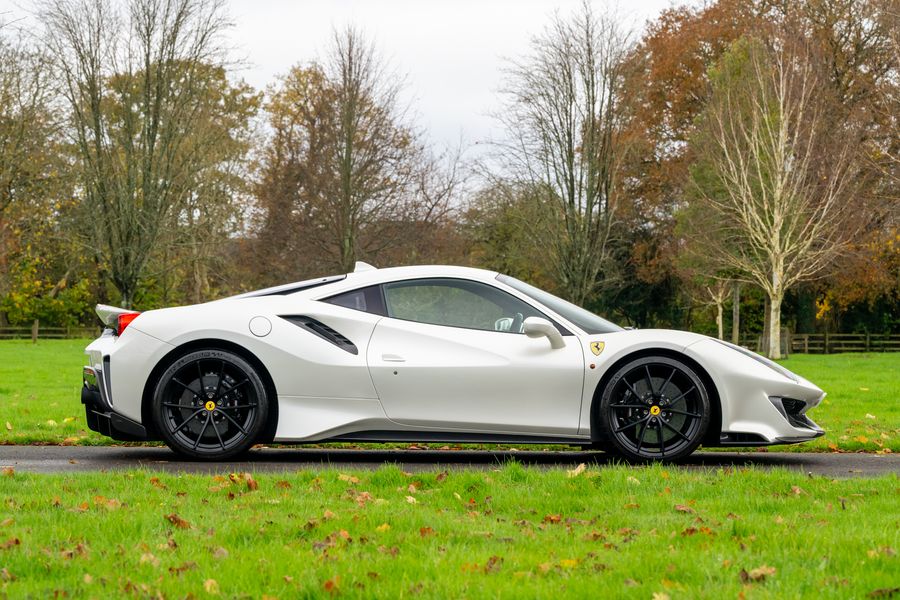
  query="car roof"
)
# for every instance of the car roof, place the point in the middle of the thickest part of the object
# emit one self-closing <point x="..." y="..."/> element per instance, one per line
<point x="372" y="276"/>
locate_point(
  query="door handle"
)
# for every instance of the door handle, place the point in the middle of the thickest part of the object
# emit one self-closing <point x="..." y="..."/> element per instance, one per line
<point x="392" y="358"/>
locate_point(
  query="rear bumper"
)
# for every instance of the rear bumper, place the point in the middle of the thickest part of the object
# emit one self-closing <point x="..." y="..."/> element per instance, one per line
<point x="99" y="413"/>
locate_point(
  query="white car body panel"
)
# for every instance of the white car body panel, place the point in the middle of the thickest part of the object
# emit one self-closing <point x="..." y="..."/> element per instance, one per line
<point x="454" y="378"/>
<point x="447" y="379"/>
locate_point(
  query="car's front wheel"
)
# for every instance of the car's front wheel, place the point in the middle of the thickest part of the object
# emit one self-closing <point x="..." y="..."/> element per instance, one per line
<point x="210" y="405"/>
<point x="654" y="408"/>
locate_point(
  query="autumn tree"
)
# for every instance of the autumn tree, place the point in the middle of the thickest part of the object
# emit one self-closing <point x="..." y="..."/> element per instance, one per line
<point x="134" y="75"/>
<point x="345" y="175"/>
<point x="36" y="264"/>
<point x="564" y="115"/>
<point x="775" y="171"/>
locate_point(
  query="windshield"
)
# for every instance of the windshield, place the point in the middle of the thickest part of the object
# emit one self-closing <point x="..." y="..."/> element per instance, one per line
<point x="586" y="320"/>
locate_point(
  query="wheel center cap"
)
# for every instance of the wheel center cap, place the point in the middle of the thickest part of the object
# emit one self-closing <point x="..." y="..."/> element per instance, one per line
<point x="210" y="405"/>
<point x="654" y="410"/>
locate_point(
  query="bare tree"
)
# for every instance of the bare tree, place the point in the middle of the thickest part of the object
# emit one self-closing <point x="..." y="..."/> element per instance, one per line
<point x="26" y="123"/>
<point x="345" y="173"/>
<point x="773" y="171"/>
<point x="133" y="74"/>
<point x="564" y="117"/>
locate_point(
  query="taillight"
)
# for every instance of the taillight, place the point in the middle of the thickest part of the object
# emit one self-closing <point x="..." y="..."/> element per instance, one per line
<point x="125" y="320"/>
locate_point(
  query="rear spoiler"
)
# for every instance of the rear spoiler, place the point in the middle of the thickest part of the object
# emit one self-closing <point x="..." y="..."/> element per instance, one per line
<point x="109" y="315"/>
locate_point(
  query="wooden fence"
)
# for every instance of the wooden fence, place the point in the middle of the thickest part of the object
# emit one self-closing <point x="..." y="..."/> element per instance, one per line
<point x="798" y="343"/>
<point x="832" y="343"/>
<point x="48" y="333"/>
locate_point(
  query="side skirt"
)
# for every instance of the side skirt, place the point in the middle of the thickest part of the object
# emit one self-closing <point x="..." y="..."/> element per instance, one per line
<point x="449" y="437"/>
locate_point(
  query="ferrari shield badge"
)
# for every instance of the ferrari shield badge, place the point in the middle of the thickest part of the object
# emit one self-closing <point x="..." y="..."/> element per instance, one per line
<point x="597" y="347"/>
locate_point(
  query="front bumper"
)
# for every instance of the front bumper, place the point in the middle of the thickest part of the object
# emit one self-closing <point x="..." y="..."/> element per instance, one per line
<point x="99" y="413"/>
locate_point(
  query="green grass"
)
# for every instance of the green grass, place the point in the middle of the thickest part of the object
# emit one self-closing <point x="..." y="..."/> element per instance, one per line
<point x="39" y="397"/>
<point x="862" y="408"/>
<point x="515" y="532"/>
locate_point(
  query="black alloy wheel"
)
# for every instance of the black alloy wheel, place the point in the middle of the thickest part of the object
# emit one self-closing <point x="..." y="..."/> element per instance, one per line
<point x="210" y="405"/>
<point x="654" y="408"/>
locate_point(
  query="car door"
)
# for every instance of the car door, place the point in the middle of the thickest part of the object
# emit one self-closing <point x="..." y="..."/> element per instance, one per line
<point x="450" y="354"/>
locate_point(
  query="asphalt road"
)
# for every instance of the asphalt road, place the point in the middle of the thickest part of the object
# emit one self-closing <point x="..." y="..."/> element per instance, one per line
<point x="73" y="459"/>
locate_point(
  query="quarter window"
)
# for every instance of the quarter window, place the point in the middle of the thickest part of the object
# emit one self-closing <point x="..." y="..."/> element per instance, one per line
<point x="367" y="299"/>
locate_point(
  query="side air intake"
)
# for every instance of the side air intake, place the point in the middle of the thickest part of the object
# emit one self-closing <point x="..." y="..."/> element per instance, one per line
<point x="323" y="331"/>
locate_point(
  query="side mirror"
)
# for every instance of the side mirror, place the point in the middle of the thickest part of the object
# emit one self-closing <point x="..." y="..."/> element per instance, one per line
<point x="535" y="327"/>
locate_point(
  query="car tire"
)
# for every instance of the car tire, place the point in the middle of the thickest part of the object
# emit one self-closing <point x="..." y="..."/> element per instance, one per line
<point x="653" y="408"/>
<point x="210" y="405"/>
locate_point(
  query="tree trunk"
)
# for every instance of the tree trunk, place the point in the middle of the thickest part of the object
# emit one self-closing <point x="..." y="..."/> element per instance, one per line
<point x="736" y="313"/>
<point x="774" y="347"/>
<point x="720" y="312"/>
<point x="767" y="313"/>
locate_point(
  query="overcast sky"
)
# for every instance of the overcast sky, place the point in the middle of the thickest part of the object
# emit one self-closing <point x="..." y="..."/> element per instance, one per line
<point x="451" y="51"/>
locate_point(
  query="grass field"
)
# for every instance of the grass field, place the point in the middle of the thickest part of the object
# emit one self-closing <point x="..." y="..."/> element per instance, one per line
<point x="515" y="532"/>
<point x="39" y="397"/>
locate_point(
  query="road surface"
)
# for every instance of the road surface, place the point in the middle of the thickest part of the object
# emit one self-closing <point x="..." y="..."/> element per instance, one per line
<point x="73" y="459"/>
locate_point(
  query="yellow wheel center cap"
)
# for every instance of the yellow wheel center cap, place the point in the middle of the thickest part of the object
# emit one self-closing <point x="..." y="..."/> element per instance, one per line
<point x="654" y="410"/>
<point x="211" y="406"/>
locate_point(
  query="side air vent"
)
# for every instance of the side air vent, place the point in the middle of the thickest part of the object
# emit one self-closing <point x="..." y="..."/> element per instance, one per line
<point x="323" y="331"/>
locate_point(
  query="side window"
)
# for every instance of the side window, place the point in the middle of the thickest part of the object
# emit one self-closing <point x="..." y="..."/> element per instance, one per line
<point x="368" y="299"/>
<point x="456" y="303"/>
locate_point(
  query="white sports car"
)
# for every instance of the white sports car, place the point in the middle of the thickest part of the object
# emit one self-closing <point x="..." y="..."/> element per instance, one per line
<point x="430" y="354"/>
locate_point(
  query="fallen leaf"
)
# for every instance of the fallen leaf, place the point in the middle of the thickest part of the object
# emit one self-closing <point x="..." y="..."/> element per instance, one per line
<point x="884" y="593"/>
<point x="331" y="586"/>
<point x="493" y="564"/>
<point x="147" y="557"/>
<point x="660" y="596"/>
<point x="251" y="483"/>
<point x="411" y="500"/>
<point x="870" y="416"/>
<point x="178" y="521"/>
<point x="108" y="503"/>
<point x="211" y="586"/>
<point x="220" y="553"/>
<point x="5" y="575"/>
<point x="8" y="471"/>
<point x="568" y="563"/>
<point x="182" y="568"/>
<point x="154" y="481"/>
<point x="51" y="423"/>
<point x="684" y="508"/>
<point x="757" y="574"/>
<point x="425" y="531"/>
<point x="10" y="543"/>
<point x="442" y="476"/>
<point x="553" y="519"/>
<point x="633" y="480"/>
<point x="347" y="478"/>
<point x="577" y="470"/>
<point x="68" y="419"/>
<point x="383" y="527"/>
<point x="283" y="485"/>
<point x="328" y="515"/>
<point x="88" y="579"/>
<point x="8" y="426"/>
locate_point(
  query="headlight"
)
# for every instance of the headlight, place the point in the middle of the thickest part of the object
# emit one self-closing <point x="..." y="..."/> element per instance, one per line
<point x="762" y="360"/>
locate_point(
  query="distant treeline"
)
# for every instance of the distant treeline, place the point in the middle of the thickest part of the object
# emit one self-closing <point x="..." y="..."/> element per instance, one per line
<point x="733" y="168"/>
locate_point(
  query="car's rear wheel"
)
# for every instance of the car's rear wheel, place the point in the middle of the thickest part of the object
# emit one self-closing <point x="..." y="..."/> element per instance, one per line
<point x="654" y="408"/>
<point x="210" y="405"/>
